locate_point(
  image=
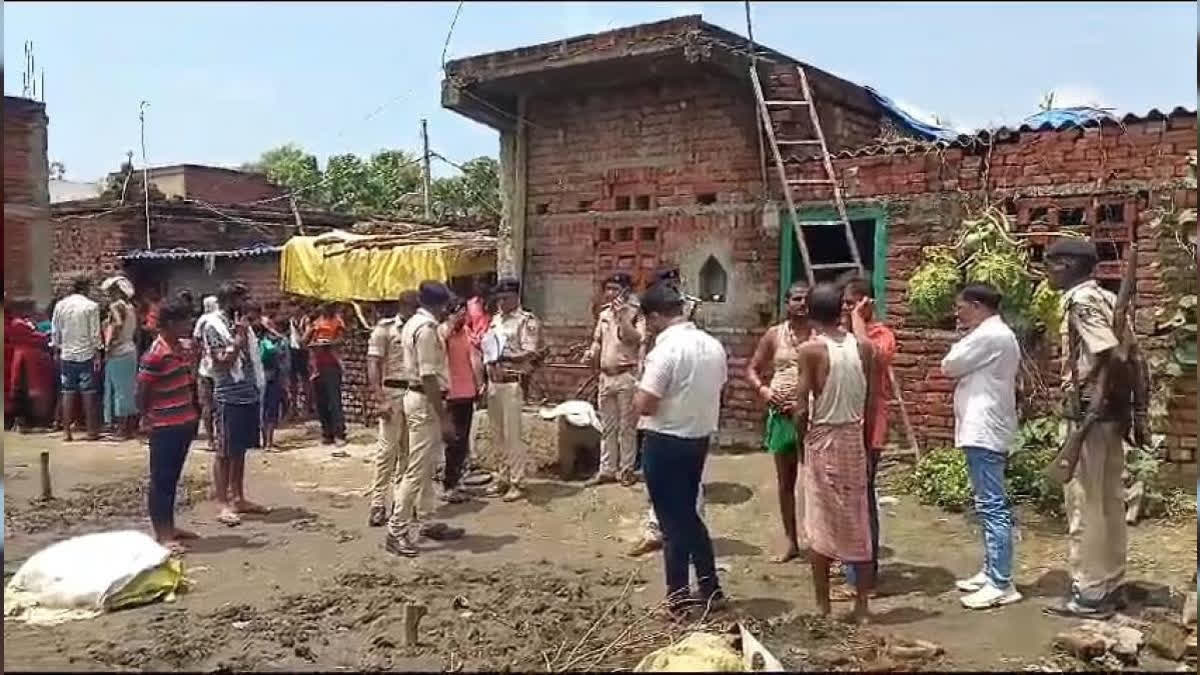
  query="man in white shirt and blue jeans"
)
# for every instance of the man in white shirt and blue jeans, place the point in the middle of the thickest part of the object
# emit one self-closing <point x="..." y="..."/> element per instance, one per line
<point x="679" y="401"/>
<point x="984" y="365"/>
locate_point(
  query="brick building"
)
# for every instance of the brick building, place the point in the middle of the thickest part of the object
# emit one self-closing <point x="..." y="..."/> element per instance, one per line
<point x="26" y="242"/>
<point x="640" y="147"/>
<point x="209" y="183"/>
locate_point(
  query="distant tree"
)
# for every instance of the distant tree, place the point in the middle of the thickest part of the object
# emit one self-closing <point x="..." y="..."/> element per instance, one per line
<point x="387" y="185"/>
<point x="290" y="167"/>
<point x="57" y="170"/>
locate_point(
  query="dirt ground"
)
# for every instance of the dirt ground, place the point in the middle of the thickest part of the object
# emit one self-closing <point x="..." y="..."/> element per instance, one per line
<point x="541" y="585"/>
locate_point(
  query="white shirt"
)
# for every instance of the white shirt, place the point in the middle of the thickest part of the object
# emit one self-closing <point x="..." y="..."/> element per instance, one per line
<point x="686" y="370"/>
<point x="985" y="364"/>
<point x="76" y="328"/>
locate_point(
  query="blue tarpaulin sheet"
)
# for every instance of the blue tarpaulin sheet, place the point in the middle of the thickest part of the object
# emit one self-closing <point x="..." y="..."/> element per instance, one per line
<point x="928" y="132"/>
<point x="1060" y="118"/>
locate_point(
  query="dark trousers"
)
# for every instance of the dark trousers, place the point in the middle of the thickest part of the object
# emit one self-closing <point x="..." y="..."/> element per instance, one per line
<point x="329" y="403"/>
<point x="168" y="452"/>
<point x="461" y="412"/>
<point x="673" y="467"/>
<point x="872" y="469"/>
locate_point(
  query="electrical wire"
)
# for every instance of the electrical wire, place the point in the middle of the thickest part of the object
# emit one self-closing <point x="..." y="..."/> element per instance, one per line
<point x="450" y="32"/>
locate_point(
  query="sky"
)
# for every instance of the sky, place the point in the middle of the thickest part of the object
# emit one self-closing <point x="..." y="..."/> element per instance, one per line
<point x="227" y="81"/>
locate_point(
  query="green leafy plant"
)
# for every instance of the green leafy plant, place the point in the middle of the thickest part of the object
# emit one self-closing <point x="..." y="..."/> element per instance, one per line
<point x="940" y="479"/>
<point x="985" y="251"/>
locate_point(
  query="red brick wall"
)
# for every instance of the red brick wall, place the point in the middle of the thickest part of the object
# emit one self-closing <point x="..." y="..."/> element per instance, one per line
<point x="83" y="244"/>
<point x="667" y="171"/>
<point x="226" y="187"/>
<point x="26" y="196"/>
<point x="921" y="192"/>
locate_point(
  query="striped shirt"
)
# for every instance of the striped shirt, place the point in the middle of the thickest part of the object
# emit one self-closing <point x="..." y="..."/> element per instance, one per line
<point x="166" y="375"/>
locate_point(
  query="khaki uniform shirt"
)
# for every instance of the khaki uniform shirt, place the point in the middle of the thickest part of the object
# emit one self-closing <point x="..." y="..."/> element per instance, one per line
<point x="424" y="352"/>
<point x="615" y="353"/>
<point x="386" y="345"/>
<point x="1087" y="330"/>
<point x="522" y="333"/>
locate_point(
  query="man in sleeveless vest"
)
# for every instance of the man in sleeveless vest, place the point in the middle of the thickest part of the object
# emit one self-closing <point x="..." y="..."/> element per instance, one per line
<point x="837" y="522"/>
<point x="773" y="374"/>
<point x="1095" y="495"/>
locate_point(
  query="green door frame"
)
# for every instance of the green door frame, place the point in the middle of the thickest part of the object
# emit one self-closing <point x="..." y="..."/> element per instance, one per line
<point x="787" y="242"/>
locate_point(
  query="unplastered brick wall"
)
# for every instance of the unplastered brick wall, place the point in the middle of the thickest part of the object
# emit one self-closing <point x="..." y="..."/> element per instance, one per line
<point x="663" y="172"/>
<point x="923" y="195"/>
<point x="26" y="197"/>
<point x="90" y="244"/>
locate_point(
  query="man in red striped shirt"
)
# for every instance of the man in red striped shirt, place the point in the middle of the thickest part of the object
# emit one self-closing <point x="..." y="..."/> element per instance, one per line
<point x="167" y="395"/>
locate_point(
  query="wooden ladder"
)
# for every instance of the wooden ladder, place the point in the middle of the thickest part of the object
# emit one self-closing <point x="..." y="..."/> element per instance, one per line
<point x="830" y="180"/>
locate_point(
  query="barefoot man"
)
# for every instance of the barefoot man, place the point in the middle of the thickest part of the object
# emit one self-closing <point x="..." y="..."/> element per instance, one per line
<point x="837" y="519"/>
<point x="235" y="400"/>
<point x="777" y="358"/>
<point x="166" y="394"/>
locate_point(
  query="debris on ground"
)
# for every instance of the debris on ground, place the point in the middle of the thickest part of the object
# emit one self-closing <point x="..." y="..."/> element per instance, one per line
<point x="1168" y="640"/>
<point x="907" y="649"/>
<point x="1092" y="640"/>
<point x="89" y="505"/>
<point x="696" y="653"/>
<point x="1189" y="610"/>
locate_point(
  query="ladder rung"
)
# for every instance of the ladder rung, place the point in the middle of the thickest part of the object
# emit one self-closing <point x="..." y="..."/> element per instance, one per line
<point x="812" y="141"/>
<point x="810" y="181"/>
<point x="786" y="102"/>
<point x="834" y="266"/>
<point x="806" y="223"/>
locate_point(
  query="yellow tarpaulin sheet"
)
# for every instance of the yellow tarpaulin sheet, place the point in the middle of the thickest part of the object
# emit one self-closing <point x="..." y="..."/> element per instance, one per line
<point x="371" y="274"/>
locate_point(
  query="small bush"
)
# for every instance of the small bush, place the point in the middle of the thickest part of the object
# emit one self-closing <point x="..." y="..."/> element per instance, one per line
<point x="940" y="479"/>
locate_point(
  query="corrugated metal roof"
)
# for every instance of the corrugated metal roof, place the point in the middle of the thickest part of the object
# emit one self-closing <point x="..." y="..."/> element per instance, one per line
<point x="1000" y="134"/>
<point x="185" y="254"/>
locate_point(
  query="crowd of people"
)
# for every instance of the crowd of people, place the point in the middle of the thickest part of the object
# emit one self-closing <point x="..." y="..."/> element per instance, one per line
<point x="238" y="369"/>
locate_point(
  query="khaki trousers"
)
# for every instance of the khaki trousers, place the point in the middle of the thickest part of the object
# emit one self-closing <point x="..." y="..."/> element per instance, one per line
<point x="504" y="413"/>
<point x="618" y="441"/>
<point x="391" y="450"/>
<point x="415" y="493"/>
<point x="1095" y="501"/>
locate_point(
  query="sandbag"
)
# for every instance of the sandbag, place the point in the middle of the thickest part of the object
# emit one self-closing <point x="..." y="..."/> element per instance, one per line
<point x="84" y="576"/>
<point x="697" y="653"/>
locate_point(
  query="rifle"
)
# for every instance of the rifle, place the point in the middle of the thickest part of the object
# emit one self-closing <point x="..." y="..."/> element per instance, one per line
<point x="1062" y="468"/>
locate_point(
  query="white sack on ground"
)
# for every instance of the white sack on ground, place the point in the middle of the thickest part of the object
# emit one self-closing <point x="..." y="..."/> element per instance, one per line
<point x="84" y="576"/>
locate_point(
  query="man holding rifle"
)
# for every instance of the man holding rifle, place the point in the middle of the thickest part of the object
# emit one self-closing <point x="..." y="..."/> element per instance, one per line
<point x="1105" y="379"/>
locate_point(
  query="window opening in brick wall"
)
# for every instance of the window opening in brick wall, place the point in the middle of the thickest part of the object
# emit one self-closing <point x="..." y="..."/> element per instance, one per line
<point x="622" y="203"/>
<point x="542" y="208"/>
<point x="604" y="234"/>
<point x="714" y="281"/>
<point x="1039" y="216"/>
<point x="1111" y="213"/>
<point x="642" y="202"/>
<point x="1010" y="206"/>
<point x="648" y="233"/>
<point x="706" y="198"/>
<point x="827" y="245"/>
<point x="585" y="205"/>
<point x="1072" y="217"/>
<point x="625" y="234"/>
<point x="1037" y="253"/>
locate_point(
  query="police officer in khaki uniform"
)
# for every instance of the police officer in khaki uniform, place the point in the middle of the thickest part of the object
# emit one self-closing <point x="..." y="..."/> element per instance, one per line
<point x="429" y="425"/>
<point x="616" y="343"/>
<point x="521" y="333"/>
<point x="386" y="375"/>
<point x="1095" y="496"/>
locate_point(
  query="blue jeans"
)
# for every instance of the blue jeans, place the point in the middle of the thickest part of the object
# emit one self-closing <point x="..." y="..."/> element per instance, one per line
<point x="872" y="468"/>
<point x="986" y="471"/>
<point x="168" y="452"/>
<point x="77" y="376"/>
<point x="673" y="467"/>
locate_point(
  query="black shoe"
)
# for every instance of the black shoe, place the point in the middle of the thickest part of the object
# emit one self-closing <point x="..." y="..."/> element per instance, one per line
<point x="400" y="546"/>
<point x="378" y="516"/>
<point x="442" y="532"/>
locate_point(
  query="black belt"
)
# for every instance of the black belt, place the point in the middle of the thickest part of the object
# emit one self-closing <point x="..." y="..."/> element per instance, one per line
<point x="395" y="384"/>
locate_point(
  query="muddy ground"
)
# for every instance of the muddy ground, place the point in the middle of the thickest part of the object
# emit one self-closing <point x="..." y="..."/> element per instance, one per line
<point x="542" y="585"/>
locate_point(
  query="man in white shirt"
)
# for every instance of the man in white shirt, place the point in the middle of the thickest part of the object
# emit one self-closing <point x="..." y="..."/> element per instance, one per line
<point x="75" y="329"/>
<point x="984" y="365"/>
<point x="679" y="401"/>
